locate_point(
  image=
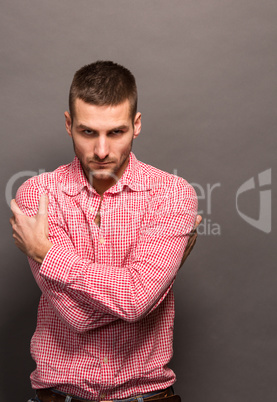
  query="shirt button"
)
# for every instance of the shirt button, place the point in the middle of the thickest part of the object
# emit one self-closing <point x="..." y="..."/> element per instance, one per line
<point x="102" y="240"/>
<point x="92" y="209"/>
<point x="105" y="360"/>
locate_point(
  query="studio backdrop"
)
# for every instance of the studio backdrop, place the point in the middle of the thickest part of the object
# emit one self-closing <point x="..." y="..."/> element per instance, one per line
<point x="206" y="76"/>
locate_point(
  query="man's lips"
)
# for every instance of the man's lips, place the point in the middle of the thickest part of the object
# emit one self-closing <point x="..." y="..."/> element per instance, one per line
<point x="101" y="163"/>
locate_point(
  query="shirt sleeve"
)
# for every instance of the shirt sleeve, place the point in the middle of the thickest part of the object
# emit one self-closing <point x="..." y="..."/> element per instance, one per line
<point x="78" y="315"/>
<point x="132" y="291"/>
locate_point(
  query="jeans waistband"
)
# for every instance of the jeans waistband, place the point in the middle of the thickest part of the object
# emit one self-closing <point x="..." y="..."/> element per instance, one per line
<point x="139" y="398"/>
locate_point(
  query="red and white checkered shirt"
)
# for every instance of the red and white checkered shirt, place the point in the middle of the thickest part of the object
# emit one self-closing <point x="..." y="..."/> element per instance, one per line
<point x="105" y="318"/>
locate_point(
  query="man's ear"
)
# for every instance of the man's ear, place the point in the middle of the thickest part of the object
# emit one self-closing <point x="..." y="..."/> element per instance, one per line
<point x="137" y="124"/>
<point x="68" y="123"/>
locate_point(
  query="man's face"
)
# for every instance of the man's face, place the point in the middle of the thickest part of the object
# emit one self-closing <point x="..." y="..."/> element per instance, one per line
<point x="102" y="138"/>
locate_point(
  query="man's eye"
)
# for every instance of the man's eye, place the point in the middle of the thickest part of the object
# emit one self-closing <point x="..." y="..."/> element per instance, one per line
<point x="117" y="132"/>
<point x="88" y="132"/>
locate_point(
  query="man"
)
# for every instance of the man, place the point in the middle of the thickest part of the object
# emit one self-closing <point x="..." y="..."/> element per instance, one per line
<point x="105" y="236"/>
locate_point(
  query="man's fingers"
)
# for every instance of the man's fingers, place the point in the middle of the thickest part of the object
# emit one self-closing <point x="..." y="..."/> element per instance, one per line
<point x="15" y="208"/>
<point x="43" y="205"/>
<point x="197" y="221"/>
<point x="192" y="239"/>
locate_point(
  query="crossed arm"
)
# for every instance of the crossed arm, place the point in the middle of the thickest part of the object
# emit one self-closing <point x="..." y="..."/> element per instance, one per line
<point x="31" y="233"/>
<point x="80" y="313"/>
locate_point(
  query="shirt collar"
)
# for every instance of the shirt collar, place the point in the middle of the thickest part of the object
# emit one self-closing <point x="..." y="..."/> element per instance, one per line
<point x="75" y="179"/>
<point x="133" y="177"/>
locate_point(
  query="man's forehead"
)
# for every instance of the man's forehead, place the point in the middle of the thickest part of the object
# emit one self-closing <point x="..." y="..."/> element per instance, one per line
<point x="84" y="109"/>
<point x="101" y="117"/>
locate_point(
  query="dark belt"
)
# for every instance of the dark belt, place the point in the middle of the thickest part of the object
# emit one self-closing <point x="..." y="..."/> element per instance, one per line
<point x="48" y="395"/>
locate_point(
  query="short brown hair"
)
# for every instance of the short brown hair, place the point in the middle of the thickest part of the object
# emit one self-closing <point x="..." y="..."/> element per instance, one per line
<point x="104" y="83"/>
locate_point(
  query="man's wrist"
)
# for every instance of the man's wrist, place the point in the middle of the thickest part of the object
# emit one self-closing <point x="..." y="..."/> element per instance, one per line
<point x="40" y="252"/>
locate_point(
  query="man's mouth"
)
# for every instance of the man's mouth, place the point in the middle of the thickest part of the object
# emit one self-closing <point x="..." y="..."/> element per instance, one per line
<point x="102" y="163"/>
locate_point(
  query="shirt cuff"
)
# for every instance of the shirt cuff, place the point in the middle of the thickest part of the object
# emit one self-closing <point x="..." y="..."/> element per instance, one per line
<point x="57" y="264"/>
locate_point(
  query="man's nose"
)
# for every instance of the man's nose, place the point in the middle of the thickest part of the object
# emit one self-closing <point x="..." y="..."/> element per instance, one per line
<point x="101" y="148"/>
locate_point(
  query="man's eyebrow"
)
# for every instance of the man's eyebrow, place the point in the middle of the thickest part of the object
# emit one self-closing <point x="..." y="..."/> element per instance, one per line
<point x="84" y="127"/>
<point x="122" y="127"/>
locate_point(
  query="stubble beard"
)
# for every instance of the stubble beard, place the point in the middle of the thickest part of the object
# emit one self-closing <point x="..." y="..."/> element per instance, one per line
<point x="112" y="175"/>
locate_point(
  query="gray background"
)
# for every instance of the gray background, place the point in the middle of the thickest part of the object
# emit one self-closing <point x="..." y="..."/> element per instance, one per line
<point x="206" y="73"/>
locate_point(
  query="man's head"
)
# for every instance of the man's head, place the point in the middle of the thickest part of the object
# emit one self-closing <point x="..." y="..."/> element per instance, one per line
<point x="103" y="83"/>
<point x="103" y="121"/>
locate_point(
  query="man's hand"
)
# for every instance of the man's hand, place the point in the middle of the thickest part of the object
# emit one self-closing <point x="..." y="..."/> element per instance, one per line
<point x="31" y="233"/>
<point x="193" y="236"/>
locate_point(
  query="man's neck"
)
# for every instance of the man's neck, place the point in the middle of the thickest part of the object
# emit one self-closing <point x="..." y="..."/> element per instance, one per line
<point x="102" y="185"/>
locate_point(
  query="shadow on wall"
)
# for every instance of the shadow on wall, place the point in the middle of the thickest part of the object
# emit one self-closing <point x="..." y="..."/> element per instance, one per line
<point x="16" y="360"/>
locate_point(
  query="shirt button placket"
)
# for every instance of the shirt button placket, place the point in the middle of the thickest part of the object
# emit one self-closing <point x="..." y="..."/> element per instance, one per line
<point x="101" y="237"/>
